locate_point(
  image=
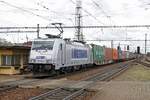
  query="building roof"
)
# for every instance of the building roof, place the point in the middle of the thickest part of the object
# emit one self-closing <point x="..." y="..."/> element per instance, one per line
<point x="15" y="47"/>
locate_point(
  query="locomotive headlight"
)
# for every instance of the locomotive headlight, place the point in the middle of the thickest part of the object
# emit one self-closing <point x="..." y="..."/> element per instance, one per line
<point x="32" y="60"/>
<point x="49" y="61"/>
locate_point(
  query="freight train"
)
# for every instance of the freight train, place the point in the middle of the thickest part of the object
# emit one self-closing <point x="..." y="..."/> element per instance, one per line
<point x="55" y="55"/>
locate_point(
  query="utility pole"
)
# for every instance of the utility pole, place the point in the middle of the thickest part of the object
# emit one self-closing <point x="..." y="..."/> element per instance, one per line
<point x="78" y="21"/>
<point x="145" y="43"/>
<point x="112" y="44"/>
<point x="38" y="31"/>
<point x="125" y="46"/>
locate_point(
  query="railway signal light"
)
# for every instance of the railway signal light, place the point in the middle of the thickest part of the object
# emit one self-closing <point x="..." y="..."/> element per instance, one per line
<point x="128" y="47"/>
<point x="118" y="47"/>
<point x="138" y="49"/>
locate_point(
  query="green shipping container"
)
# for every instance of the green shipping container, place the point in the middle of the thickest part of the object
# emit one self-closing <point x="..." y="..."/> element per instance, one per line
<point x="98" y="54"/>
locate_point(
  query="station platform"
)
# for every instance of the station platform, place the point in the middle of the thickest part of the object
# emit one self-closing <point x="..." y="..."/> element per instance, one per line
<point x="9" y="70"/>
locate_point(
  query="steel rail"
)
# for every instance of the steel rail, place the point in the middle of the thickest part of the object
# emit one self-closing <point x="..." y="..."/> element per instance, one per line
<point x="74" y="94"/>
<point x="106" y="75"/>
<point x="102" y="77"/>
<point x="56" y="94"/>
<point x="45" y="94"/>
<point x="143" y="63"/>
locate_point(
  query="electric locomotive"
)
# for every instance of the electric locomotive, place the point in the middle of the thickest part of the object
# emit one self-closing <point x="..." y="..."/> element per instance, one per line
<point x="54" y="55"/>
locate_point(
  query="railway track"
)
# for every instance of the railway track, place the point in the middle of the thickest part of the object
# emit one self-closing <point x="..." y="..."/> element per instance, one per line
<point x="143" y="63"/>
<point x="6" y="86"/>
<point x="147" y="60"/>
<point x="58" y="94"/>
<point x="65" y="94"/>
<point x="108" y="74"/>
<point x="61" y="75"/>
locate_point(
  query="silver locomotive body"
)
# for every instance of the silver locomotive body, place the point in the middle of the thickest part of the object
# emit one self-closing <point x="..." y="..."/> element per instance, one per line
<point x="49" y="55"/>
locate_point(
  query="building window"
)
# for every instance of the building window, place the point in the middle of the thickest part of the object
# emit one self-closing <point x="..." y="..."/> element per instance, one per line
<point x="6" y="60"/>
<point x="25" y="59"/>
<point x="16" y="60"/>
<point x="10" y="60"/>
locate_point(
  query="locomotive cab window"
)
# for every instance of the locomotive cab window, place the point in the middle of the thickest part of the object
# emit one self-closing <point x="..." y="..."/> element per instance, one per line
<point x="43" y="45"/>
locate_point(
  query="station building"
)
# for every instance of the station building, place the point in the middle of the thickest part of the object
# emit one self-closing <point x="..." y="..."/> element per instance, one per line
<point x="13" y="59"/>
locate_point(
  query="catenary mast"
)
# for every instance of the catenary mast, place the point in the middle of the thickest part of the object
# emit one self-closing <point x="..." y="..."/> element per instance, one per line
<point x="78" y="21"/>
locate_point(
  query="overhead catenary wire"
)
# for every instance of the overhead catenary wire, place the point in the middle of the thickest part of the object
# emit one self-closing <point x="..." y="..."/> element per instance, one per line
<point x="19" y="31"/>
<point x="57" y="13"/>
<point x="24" y="10"/>
<point x="117" y="40"/>
<point x="95" y="3"/>
<point x="89" y="14"/>
<point x="99" y="5"/>
<point x="90" y="27"/>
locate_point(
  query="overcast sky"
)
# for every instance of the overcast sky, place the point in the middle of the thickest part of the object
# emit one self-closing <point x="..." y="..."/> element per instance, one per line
<point x="95" y="12"/>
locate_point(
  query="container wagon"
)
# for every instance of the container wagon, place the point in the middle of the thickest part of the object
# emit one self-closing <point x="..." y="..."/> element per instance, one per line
<point x="108" y="55"/>
<point x="52" y="55"/>
<point x="124" y="56"/>
<point x="98" y="54"/>
<point x="115" y="55"/>
<point x="120" y="55"/>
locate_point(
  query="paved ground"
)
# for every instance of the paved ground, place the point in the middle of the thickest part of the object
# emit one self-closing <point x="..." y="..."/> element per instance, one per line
<point x="134" y="84"/>
<point x="5" y="78"/>
<point x="46" y="83"/>
<point x="138" y="72"/>
<point x="54" y="83"/>
<point x="21" y="93"/>
<point x="130" y="90"/>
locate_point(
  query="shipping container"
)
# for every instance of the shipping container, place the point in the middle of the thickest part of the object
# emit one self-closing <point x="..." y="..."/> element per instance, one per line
<point x="115" y="54"/>
<point x="123" y="55"/>
<point x="98" y="54"/>
<point x="108" y="55"/>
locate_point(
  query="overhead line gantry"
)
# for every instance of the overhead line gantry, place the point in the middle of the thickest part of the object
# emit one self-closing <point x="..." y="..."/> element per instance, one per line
<point x="51" y="27"/>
